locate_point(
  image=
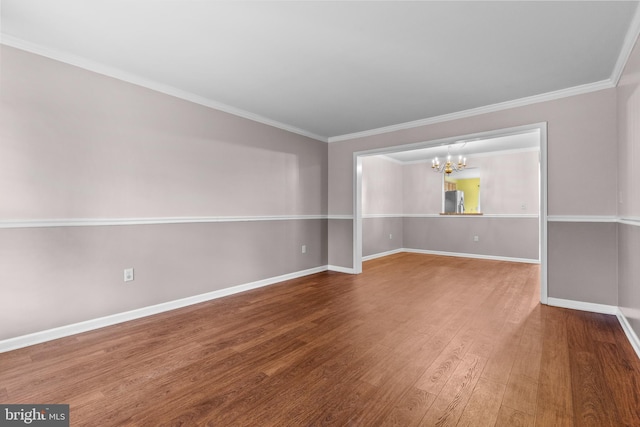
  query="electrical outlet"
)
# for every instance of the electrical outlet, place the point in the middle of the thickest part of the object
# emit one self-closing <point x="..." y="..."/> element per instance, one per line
<point x="523" y="206"/>
<point x="390" y="236"/>
<point x="304" y="249"/>
<point x="476" y="239"/>
<point x="128" y="274"/>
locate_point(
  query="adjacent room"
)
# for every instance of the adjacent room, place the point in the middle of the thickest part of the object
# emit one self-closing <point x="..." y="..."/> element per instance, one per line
<point x="268" y="213"/>
<point x="495" y="189"/>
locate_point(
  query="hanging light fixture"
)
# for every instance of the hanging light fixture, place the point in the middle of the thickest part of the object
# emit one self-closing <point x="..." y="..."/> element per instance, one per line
<point x="449" y="166"/>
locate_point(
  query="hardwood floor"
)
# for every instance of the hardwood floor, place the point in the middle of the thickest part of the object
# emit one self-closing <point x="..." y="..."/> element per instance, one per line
<point x="414" y="340"/>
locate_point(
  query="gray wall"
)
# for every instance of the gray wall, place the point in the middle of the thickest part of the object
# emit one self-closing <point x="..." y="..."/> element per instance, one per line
<point x="582" y="155"/>
<point x="407" y="199"/>
<point x="583" y="259"/>
<point x="55" y="276"/>
<point x="79" y="145"/>
<point x="76" y="144"/>
<point x="380" y="235"/>
<point x="629" y="191"/>
<point x="497" y="237"/>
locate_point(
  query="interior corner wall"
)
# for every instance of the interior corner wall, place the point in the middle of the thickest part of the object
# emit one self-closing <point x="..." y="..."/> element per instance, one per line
<point x="581" y="153"/>
<point x="628" y="96"/>
<point x="508" y="182"/>
<point x="103" y="161"/>
<point x="401" y="205"/>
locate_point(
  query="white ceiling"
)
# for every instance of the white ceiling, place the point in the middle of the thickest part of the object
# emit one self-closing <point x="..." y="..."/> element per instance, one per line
<point x="331" y="69"/>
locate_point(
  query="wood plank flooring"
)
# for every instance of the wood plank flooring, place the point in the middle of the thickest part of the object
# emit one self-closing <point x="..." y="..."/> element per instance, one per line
<point x="414" y="340"/>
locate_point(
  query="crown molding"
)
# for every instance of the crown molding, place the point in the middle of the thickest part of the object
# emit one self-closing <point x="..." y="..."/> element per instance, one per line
<point x="630" y="39"/>
<point x="116" y="73"/>
<point x="391" y="159"/>
<point x="473" y="156"/>
<point x="549" y="96"/>
<point x="505" y="152"/>
<point x="627" y="46"/>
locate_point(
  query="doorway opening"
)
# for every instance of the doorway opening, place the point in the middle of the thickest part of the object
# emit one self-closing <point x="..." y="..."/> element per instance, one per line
<point x="503" y="141"/>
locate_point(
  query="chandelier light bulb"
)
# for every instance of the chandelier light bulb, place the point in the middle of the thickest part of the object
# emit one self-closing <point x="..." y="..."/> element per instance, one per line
<point x="448" y="167"/>
<point x="435" y="164"/>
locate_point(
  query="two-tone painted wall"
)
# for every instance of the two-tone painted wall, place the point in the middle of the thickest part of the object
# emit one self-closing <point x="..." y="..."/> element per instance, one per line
<point x="628" y="93"/>
<point x="382" y="206"/>
<point x="98" y="175"/>
<point x="401" y="205"/>
<point x="582" y="155"/>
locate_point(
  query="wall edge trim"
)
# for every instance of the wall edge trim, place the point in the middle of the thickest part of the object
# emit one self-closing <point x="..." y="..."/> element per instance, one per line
<point x="628" y="331"/>
<point x="602" y="309"/>
<point x="627" y="47"/>
<point x="339" y="269"/>
<point x="124" y="76"/>
<point x="475" y="256"/>
<point x="475" y="156"/>
<point x="470" y="216"/>
<point x="113" y="319"/>
<point x="89" y="222"/>
<point x="582" y="218"/>
<point x="630" y="220"/>
<point x="582" y="306"/>
<point x="381" y="254"/>
<point x="93" y="222"/>
<point x="347" y="216"/>
<point x="534" y="99"/>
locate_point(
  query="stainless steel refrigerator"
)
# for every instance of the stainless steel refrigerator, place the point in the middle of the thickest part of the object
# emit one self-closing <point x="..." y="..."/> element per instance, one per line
<point x="454" y="201"/>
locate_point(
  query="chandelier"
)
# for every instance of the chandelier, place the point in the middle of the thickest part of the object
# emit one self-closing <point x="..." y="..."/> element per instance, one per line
<point x="449" y="166"/>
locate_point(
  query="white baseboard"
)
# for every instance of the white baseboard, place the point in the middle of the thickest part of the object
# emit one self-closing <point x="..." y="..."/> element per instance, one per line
<point x="382" y="254"/>
<point x="341" y="269"/>
<point x="583" y="306"/>
<point x="628" y="331"/>
<point x="603" y="309"/>
<point x="89" y="325"/>
<point x="555" y="302"/>
<point x="477" y="256"/>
